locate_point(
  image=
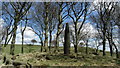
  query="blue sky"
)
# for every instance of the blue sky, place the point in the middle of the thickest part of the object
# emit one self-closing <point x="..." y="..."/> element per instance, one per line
<point x="29" y="35"/>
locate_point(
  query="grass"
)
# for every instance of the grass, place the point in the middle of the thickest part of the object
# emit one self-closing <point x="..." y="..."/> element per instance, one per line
<point x="26" y="48"/>
<point x="72" y="60"/>
<point x="35" y="57"/>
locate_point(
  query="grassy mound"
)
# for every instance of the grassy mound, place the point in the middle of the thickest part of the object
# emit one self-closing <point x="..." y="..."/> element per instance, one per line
<point x="35" y="57"/>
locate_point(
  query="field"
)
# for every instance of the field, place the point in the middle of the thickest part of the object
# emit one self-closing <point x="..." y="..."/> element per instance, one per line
<point x="27" y="48"/>
<point x="33" y="56"/>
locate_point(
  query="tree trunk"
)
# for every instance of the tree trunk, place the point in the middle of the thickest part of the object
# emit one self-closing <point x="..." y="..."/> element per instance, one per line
<point x="97" y="50"/>
<point x="117" y="53"/>
<point x="12" y="48"/>
<point x="4" y="48"/>
<point x="58" y="33"/>
<point x="50" y="41"/>
<point x="119" y="32"/>
<point x="5" y="44"/>
<point x="119" y="40"/>
<point x="41" y="44"/>
<point x="86" y="46"/>
<point x="59" y="27"/>
<point x="67" y="40"/>
<point x="104" y="42"/>
<point x="22" y="43"/>
<point x="76" y="40"/>
<point x="57" y="42"/>
<point x="97" y="46"/>
<point x="41" y="41"/>
<point x="104" y="39"/>
<point x="46" y="27"/>
<point x="75" y="49"/>
<point x="110" y="45"/>
<point x="42" y="47"/>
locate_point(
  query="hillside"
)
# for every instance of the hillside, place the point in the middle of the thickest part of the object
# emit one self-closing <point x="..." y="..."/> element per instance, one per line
<point x="35" y="57"/>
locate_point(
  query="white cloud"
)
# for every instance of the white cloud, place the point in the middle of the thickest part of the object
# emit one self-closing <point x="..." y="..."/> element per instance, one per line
<point x="1" y="23"/>
<point x="1" y="28"/>
<point x="87" y="28"/>
<point x="28" y="36"/>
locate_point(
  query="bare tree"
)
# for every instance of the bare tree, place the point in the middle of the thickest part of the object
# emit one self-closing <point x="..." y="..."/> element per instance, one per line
<point x="61" y="18"/>
<point x="105" y="24"/>
<point x="98" y="43"/>
<point x="19" y="10"/>
<point x="78" y="11"/>
<point x="115" y="17"/>
<point x="45" y="21"/>
<point x="39" y="33"/>
<point x="8" y="25"/>
<point x="52" y="26"/>
<point x="53" y="9"/>
<point x="87" y="32"/>
<point x="38" y="27"/>
<point x="22" y="33"/>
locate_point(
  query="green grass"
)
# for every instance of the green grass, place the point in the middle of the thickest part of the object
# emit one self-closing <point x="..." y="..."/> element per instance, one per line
<point x="35" y="57"/>
<point x="33" y="48"/>
<point x="26" y="48"/>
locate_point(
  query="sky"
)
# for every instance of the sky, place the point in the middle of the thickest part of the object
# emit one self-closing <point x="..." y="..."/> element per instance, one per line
<point x="1" y="25"/>
<point x="29" y="35"/>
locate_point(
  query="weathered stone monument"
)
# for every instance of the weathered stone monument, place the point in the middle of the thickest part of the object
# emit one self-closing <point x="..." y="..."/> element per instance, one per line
<point x="67" y="40"/>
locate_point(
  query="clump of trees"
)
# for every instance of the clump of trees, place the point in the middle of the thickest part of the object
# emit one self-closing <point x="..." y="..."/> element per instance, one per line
<point x="33" y="41"/>
<point x="105" y="24"/>
<point x="47" y="20"/>
<point x="19" y="11"/>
